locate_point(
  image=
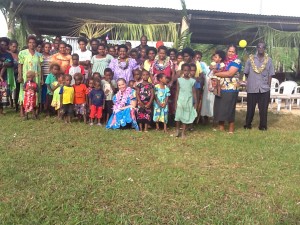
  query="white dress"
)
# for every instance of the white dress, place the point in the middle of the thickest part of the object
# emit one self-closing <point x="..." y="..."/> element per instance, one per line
<point x="208" y="99"/>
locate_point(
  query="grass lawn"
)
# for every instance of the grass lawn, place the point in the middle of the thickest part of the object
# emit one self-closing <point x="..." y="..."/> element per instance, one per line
<point x="52" y="173"/>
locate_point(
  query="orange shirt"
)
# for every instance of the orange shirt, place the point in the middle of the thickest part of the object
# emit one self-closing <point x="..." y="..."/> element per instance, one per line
<point x="80" y="93"/>
<point x="63" y="60"/>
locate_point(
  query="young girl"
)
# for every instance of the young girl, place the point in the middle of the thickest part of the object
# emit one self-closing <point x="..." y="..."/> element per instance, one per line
<point x="161" y="96"/>
<point x="145" y="95"/>
<point x="56" y="104"/>
<point x="30" y="89"/>
<point x="75" y="68"/>
<point x="137" y="77"/>
<point x="90" y="87"/>
<point x="79" y="96"/>
<point x="109" y="87"/>
<point x="67" y="98"/>
<point x="97" y="99"/>
<point x="185" y="97"/>
<point x="51" y="87"/>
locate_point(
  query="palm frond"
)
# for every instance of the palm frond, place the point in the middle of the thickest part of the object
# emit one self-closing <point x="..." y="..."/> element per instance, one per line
<point x="126" y="31"/>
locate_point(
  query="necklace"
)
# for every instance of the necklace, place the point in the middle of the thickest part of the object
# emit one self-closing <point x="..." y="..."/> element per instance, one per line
<point x="121" y="65"/>
<point x="262" y="67"/>
<point x="164" y="65"/>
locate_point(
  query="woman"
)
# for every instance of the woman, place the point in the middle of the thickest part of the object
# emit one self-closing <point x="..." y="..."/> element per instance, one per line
<point x="62" y="58"/>
<point x="124" y="107"/>
<point x="100" y="61"/>
<point x="6" y="73"/>
<point x="45" y="70"/>
<point x="29" y="60"/>
<point x="224" y="106"/>
<point x="123" y="65"/>
<point x="13" y="50"/>
<point x="162" y="64"/>
<point x="151" y="53"/>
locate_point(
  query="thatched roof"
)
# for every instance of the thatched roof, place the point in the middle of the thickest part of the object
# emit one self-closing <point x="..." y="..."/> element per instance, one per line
<point x="57" y="18"/>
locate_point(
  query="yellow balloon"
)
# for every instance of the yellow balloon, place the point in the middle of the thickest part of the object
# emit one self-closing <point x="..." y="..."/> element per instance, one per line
<point x="243" y="43"/>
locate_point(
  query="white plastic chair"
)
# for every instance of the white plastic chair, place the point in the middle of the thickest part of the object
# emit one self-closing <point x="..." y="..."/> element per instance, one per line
<point x="274" y="88"/>
<point x="286" y="89"/>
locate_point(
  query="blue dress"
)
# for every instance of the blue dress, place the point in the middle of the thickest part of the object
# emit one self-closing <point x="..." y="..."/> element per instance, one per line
<point x="123" y="117"/>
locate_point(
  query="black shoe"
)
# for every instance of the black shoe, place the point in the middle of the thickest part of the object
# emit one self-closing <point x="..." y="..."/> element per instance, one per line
<point x="247" y="127"/>
<point x="262" y="128"/>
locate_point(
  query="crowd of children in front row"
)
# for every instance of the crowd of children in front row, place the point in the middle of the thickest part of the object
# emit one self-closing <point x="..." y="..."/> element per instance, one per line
<point x="90" y="103"/>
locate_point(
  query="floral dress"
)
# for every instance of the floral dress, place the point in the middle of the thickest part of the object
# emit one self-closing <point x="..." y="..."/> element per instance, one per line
<point x="161" y="114"/>
<point x="122" y="117"/>
<point x="143" y="113"/>
<point x="30" y="90"/>
<point x="30" y="63"/>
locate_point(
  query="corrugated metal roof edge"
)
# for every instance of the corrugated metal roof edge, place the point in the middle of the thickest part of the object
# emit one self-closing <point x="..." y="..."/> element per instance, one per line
<point x="189" y="10"/>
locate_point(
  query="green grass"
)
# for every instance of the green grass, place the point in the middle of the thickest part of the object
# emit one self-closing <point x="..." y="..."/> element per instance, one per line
<point x="52" y="173"/>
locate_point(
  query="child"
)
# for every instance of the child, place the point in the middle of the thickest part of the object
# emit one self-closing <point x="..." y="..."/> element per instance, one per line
<point x="97" y="98"/>
<point x="56" y="104"/>
<point x="137" y="77"/>
<point x="67" y="98"/>
<point x="131" y="84"/>
<point x="109" y="87"/>
<point x="96" y="75"/>
<point x="161" y="96"/>
<point x="88" y="91"/>
<point x="51" y="82"/>
<point x="186" y="100"/>
<point x="80" y="96"/>
<point x="75" y="68"/>
<point x="145" y="95"/>
<point x="30" y="89"/>
<point x="216" y="66"/>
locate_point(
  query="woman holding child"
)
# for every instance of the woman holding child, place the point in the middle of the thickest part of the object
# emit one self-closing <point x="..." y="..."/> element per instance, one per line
<point x="224" y="105"/>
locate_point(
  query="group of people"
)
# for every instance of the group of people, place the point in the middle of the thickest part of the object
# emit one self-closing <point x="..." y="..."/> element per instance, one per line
<point x="137" y="87"/>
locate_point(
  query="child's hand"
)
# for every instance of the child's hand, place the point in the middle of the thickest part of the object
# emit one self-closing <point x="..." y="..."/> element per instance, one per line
<point x="195" y="106"/>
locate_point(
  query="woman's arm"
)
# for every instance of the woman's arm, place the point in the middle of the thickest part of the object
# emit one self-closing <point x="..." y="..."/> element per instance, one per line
<point x="20" y="73"/>
<point x="195" y="97"/>
<point x="139" y="97"/>
<point x="177" y="93"/>
<point x="228" y="74"/>
<point x="151" y="98"/>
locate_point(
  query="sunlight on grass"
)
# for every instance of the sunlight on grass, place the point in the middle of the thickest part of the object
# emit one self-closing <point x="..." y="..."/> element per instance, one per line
<point x="52" y="173"/>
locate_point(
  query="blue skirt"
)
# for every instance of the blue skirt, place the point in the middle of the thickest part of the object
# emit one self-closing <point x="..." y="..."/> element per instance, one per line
<point x="122" y="118"/>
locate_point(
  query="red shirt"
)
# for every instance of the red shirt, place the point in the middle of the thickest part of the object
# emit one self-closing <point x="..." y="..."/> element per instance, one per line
<point x="80" y="93"/>
<point x="75" y="69"/>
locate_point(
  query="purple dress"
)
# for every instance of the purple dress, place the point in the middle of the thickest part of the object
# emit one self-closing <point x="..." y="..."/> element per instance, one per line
<point x="123" y="69"/>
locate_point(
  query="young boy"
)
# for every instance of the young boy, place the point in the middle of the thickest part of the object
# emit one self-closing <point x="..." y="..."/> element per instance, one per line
<point x="67" y="98"/>
<point x="51" y="82"/>
<point x="97" y="101"/>
<point x="75" y="68"/>
<point x="109" y="87"/>
<point x="216" y="66"/>
<point x="80" y="96"/>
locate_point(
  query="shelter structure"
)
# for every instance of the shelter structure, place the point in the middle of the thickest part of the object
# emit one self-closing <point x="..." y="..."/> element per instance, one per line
<point x="208" y="27"/>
